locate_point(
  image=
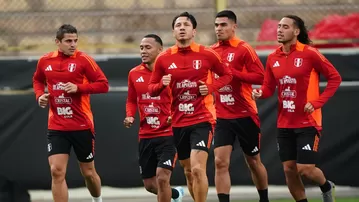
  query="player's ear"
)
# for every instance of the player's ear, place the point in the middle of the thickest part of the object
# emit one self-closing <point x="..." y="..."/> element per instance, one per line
<point x="235" y="26"/>
<point x="57" y="41"/>
<point x="194" y="33"/>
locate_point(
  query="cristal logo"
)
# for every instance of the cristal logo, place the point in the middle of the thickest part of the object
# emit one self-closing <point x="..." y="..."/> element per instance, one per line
<point x="186" y="96"/>
<point x="151" y="109"/>
<point x="63" y="100"/>
<point x="289" y="93"/>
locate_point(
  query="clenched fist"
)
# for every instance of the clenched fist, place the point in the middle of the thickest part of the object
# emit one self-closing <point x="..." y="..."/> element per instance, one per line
<point x="166" y="80"/>
<point x="203" y="88"/>
<point x="128" y="122"/>
<point x="70" y="87"/>
<point x="309" y="108"/>
<point x="44" y="100"/>
<point x="169" y="120"/>
<point x="256" y="94"/>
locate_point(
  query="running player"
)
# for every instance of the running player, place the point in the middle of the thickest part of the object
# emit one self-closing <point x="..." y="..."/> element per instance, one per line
<point x="294" y="68"/>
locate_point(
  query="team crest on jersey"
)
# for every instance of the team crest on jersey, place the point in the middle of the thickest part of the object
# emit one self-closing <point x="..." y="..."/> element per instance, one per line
<point x="298" y="62"/>
<point x="197" y="64"/>
<point x="230" y="57"/>
<point x="72" y="67"/>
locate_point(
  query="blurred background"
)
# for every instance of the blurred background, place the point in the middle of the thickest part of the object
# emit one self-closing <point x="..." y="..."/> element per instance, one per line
<point x="27" y="27"/>
<point x="110" y="31"/>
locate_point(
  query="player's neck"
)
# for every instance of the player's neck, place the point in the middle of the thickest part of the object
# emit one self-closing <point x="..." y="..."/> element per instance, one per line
<point x="231" y="37"/>
<point x="287" y="46"/>
<point x="184" y="43"/>
<point x="63" y="53"/>
<point x="149" y="66"/>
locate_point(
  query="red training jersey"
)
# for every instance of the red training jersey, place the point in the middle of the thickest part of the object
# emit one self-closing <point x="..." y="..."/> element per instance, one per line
<point x="69" y="111"/>
<point x="188" y="66"/>
<point x="153" y="111"/>
<point x="297" y="76"/>
<point x="235" y="99"/>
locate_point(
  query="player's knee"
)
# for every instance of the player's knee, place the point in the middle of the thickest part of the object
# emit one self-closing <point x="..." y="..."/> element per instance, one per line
<point x="188" y="173"/>
<point x="58" y="172"/>
<point x="221" y="164"/>
<point x="198" y="172"/>
<point x="162" y="180"/>
<point x="290" y="169"/>
<point x="306" y="170"/>
<point x="89" y="173"/>
<point x="253" y="162"/>
<point x="187" y="170"/>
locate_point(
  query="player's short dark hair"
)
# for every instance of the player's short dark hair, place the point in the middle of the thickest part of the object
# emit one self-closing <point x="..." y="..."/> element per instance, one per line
<point x="65" y="29"/>
<point x="227" y="13"/>
<point x="189" y="16"/>
<point x="155" y="37"/>
<point x="303" y="36"/>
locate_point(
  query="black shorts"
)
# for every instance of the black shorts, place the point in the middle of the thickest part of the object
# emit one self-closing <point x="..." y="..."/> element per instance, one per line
<point x="154" y="153"/>
<point x="300" y="144"/>
<point x="197" y="136"/>
<point x="245" y="129"/>
<point x="83" y="142"/>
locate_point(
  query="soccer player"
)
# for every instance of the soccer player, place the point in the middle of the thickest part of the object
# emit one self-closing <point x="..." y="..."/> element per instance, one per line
<point x="70" y="76"/>
<point x="237" y="115"/>
<point x="186" y="68"/>
<point x="157" y="151"/>
<point x="294" y="68"/>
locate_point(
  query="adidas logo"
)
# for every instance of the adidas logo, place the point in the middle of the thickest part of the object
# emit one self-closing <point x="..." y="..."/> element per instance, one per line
<point x="90" y="156"/>
<point x="307" y="147"/>
<point x="276" y="64"/>
<point x="168" y="162"/>
<point x="172" y="66"/>
<point x="140" y="79"/>
<point x="255" y="149"/>
<point x="201" y="144"/>
<point x="48" y="68"/>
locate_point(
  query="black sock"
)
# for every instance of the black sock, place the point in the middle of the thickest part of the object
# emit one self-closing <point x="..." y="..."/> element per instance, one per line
<point x="325" y="187"/>
<point x="175" y="193"/>
<point x="263" y="195"/>
<point x="223" y="197"/>
<point x="303" y="200"/>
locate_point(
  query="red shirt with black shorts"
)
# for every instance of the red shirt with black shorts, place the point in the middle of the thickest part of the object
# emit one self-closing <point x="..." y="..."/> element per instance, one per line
<point x="70" y="121"/>
<point x="297" y="77"/>
<point x="237" y="114"/>
<point x="193" y="114"/>
<point x="156" y="144"/>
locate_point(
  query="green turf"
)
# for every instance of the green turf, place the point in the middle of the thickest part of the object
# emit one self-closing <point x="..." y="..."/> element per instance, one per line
<point x="310" y="200"/>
